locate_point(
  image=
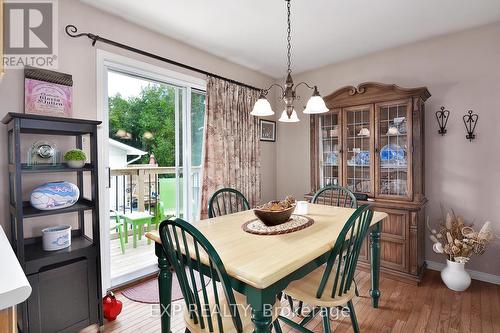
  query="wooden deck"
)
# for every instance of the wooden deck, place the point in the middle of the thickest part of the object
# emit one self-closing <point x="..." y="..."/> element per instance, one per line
<point x="140" y="260"/>
<point x="403" y="308"/>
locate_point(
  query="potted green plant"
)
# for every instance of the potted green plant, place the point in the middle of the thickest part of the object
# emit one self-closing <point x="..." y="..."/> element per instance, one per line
<point x="75" y="158"/>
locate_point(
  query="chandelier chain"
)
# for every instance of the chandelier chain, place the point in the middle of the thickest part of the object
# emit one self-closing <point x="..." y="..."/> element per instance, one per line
<point x="289" y="38"/>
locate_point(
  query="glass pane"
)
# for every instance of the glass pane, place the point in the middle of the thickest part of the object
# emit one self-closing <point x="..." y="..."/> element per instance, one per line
<point x="329" y="149"/>
<point x="393" y="150"/>
<point x="197" y="136"/>
<point x="358" y="150"/>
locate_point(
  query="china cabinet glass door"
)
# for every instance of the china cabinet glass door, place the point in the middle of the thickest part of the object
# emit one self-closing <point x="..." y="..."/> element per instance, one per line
<point x="330" y="149"/>
<point x="393" y="161"/>
<point x="359" y="143"/>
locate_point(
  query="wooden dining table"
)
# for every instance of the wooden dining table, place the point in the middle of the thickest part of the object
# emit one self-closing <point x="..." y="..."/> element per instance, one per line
<point x="261" y="266"/>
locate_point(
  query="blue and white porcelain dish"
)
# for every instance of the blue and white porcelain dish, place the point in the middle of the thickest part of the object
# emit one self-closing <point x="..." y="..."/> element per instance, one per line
<point x="392" y="152"/>
<point x="54" y="195"/>
<point x="363" y="157"/>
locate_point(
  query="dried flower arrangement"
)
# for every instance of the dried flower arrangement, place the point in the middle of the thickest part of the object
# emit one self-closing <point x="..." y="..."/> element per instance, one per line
<point x="457" y="239"/>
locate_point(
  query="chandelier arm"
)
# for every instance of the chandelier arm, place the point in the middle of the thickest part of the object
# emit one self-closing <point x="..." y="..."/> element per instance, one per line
<point x="266" y="91"/>
<point x="305" y="84"/>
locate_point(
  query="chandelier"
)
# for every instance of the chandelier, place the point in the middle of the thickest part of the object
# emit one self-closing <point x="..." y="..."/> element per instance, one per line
<point x="315" y="105"/>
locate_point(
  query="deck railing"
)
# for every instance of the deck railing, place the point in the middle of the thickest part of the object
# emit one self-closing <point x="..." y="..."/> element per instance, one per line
<point x="137" y="186"/>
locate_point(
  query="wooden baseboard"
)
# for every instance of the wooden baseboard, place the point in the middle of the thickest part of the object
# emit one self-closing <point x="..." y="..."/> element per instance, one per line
<point x="8" y="320"/>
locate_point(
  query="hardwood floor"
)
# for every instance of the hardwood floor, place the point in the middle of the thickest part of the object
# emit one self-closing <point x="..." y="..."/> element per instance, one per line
<point x="403" y="308"/>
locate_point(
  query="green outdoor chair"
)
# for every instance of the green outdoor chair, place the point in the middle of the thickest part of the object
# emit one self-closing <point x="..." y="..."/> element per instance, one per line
<point x="334" y="195"/>
<point x="333" y="285"/>
<point x="166" y="207"/>
<point x="226" y="201"/>
<point x="119" y="229"/>
<point x="211" y="305"/>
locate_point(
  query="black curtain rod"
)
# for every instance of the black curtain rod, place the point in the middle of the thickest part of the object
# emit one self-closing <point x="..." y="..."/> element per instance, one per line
<point x="71" y="31"/>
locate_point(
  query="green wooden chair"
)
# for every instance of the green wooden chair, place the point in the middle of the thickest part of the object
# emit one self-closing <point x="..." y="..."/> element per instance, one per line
<point x="119" y="229"/>
<point x="227" y="201"/>
<point x="210" y="306"/>
<point x="334" y="195"/>
<point x="333" y="285"/>
<point x="166" y="206"/>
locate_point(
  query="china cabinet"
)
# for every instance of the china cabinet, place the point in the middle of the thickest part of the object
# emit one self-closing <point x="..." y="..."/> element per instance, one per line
<point x="372" y="142"/>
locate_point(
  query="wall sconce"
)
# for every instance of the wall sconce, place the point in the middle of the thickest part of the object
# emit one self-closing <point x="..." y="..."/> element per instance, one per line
<point x="442" y="119"/>
<point x="470" y="122"/>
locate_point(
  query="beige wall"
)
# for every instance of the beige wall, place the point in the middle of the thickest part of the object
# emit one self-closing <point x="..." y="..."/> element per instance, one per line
<point x="78" y="58"/>
<point x="462" y="71"/>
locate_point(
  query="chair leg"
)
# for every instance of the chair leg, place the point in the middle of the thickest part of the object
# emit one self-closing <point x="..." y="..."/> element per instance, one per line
<point x="187" y="330"/>
<point x="149" y="229"/>
<point x="352" y="314"/>
<point x="290" y="301"/>
<point x="299" y="309"/>
<point x="277" y="326"/>
<point x="325" y="313"/>
<point x="120" y="236"/>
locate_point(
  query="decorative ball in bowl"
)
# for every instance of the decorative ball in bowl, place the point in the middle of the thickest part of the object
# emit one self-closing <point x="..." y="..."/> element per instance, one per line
<point x="275" y="212"/>
<point x="75" y="158"/>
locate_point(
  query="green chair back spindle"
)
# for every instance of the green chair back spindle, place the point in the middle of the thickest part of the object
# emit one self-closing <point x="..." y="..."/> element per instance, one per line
<point x="176" y="235"/>
<point x="345" y="253"/>
<point x="227" y="201"/>
<point x="334" y="195"/>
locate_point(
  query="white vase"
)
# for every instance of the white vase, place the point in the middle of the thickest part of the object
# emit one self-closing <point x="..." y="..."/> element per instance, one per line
<point x="455" y="277"/>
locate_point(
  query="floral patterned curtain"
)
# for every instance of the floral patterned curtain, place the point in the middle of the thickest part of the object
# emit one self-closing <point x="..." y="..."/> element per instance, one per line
<point x="232" y="145"/>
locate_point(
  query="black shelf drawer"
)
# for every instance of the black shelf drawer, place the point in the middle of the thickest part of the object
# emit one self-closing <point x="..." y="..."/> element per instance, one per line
<point x="36" y="258"/>
<point x="63" y="298"/>
<point x="81" y="205"/>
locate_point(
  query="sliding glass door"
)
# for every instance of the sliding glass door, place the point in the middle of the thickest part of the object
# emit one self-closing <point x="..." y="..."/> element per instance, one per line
<point x="152" y="154"/>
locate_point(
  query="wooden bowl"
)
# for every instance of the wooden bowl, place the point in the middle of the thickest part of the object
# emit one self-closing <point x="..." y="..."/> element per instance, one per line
<point x="272" y="218"/>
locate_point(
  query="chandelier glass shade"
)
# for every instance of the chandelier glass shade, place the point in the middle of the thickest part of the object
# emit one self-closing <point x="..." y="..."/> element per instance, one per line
<point x="262" y="107"/>
<point x="286" y="119"/>
<point x="288" y="96"/>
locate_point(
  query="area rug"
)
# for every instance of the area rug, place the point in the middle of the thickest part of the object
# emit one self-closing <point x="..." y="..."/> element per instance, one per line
<point x="148" y="292"/>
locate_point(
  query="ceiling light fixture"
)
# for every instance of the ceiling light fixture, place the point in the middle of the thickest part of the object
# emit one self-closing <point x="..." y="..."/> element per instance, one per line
<point x="315" y="105"/>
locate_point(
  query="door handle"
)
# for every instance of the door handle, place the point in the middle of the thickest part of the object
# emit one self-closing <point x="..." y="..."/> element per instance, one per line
<point x="109" y="176"/>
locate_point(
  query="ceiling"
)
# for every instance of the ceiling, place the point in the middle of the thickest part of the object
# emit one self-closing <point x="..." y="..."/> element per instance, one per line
<point x="252" y="33"/>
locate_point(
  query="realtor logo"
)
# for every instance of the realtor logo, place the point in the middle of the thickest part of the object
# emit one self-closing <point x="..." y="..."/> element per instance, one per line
<point x="30" y="29"/>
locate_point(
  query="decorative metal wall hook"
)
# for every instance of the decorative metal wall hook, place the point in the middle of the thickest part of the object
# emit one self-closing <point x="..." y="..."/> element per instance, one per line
<point x="470" y="122"/>
<point x="442" y="119"/>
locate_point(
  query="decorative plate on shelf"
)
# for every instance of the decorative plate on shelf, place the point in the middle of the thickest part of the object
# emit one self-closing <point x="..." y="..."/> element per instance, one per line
<point x="392" y="152"/>
<point x="363" y="157"/>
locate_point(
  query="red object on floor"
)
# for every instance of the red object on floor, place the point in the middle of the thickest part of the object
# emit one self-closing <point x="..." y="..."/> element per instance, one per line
<point x="111" y="307"/>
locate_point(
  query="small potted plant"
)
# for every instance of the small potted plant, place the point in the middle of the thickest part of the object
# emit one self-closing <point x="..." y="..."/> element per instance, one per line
<point x="75" y="158"/>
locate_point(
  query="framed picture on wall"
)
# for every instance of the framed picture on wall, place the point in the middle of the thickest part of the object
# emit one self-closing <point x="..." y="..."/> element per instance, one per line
<point x="267" y="130"/>
<point x="48" y="93"/>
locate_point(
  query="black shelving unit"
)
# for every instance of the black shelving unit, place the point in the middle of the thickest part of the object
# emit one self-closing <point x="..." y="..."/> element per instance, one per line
<point x="66" y="280"/>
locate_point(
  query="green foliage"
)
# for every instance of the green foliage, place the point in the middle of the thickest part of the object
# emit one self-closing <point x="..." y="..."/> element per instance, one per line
<point x="75" y="155"/>
<point x="147" y="122"/>
<point x="197" y="126"/>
